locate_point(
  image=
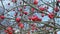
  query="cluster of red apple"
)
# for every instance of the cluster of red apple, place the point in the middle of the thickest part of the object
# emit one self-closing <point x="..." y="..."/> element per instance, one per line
<point x="51" y="15"/>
